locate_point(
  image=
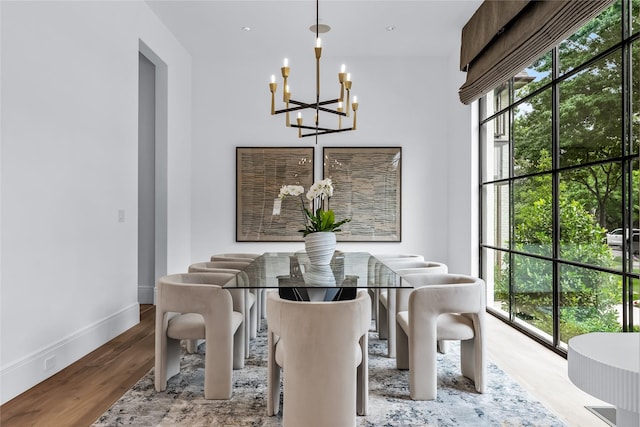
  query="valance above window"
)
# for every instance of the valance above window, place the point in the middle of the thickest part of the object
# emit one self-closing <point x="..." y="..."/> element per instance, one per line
<point x="505" y="36"/>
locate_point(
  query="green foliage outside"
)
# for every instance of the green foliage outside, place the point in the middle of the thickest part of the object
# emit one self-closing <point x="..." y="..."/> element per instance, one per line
<point x="590" y="117"/>
<point x="590" y="198"/>
<point x="588" y="297"/>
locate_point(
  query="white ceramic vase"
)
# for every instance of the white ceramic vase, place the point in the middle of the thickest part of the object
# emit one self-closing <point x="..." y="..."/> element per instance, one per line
<point x="319" y="247"/>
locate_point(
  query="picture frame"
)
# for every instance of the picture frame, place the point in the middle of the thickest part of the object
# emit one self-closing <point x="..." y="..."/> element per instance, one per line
<point x="368" y="189"/>
<point x="260" y="173"/>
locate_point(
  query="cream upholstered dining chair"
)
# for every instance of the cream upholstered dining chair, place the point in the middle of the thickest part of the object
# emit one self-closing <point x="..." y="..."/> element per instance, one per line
<point x="248" y="278"/>
<point x="322" y="348"/>
<point x="373" y="269"/>
<point x="387" y="298"/>
<point x="441" y="307"/>
<point x="194" y="306"/>
<point x="244" y="257"/>
<point x="236" y="267"/>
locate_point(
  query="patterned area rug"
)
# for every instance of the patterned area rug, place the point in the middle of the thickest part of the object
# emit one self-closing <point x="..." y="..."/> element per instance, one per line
<point x="505" y="403"/>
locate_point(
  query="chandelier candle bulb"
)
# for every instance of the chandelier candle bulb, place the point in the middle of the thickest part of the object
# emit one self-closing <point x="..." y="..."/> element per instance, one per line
<point x="347" y="86"/>
<point x="318" y="50"/>
<point x="354" y="105"/>
<point x="341" y="77"/>
<point x="299" y="121"/>
<point x="285" y="74"/>
<point x="272" y="87"/>
<point x="339" y="109"/>
<point x="287" y="96"/>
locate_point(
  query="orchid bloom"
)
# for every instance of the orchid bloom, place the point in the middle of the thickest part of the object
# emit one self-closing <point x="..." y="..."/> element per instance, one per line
<point x="320" y="189"/>
<point x="290" y="190"/>
<point x="316" y="219"/>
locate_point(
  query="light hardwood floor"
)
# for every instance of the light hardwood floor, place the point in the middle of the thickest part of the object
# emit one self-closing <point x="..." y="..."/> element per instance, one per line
<point x="79" y="394"/>
<point x="543" y="373"/>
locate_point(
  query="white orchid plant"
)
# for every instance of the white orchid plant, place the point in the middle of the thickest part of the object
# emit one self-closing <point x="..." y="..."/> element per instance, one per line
<point x="316" y="219"/>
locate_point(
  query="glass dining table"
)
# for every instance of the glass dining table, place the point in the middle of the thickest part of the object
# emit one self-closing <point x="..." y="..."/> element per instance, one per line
<point x="294" y="277"/>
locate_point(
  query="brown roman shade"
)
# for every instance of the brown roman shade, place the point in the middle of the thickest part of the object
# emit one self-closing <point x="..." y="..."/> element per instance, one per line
<point x="505" y="36"/>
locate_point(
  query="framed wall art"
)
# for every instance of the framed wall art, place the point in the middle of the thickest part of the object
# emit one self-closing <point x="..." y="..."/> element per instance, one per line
<point x="367" y="189"/>
<point x="260" y="173"/>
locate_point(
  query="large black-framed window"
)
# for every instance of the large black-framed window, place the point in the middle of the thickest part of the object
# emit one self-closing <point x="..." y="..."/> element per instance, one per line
<point x="560" y="185"/>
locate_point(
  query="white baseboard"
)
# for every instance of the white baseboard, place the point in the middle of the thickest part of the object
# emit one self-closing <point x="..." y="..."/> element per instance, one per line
<point x="19" y="376"/>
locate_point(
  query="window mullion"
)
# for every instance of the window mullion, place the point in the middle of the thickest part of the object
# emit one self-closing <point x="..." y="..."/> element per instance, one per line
<point x="555" y="196"/>
<point x="512" y="291"/>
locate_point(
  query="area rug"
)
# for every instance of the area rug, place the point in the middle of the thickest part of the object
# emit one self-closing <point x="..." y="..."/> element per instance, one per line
<point x="505" y="403"/>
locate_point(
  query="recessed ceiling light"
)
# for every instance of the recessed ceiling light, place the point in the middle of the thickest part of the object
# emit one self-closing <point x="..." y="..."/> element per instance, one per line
<point x="390" y="27"/>
<point x="246" y="28"/>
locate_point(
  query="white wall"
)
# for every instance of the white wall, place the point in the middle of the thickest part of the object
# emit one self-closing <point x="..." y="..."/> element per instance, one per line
<point x="407" y="102"/>
<point x="462" y="176"/>
<point x="69" y="164"/>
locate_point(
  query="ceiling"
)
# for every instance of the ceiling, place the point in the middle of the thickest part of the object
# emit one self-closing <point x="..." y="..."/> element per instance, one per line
<point x="281" y="28"/>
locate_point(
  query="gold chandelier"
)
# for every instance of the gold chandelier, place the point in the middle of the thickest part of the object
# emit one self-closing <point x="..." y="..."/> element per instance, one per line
<point x="342" y="108"/>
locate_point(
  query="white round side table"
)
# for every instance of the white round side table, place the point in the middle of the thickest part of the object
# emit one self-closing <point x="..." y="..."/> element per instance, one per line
<point x="607" y="366"/>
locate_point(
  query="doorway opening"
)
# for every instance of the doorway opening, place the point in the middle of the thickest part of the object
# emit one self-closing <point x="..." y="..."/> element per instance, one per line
<point x="152" y="172"/>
